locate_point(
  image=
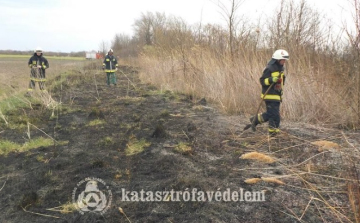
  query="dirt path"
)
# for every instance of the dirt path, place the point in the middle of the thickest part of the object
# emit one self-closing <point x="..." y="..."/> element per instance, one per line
<point x="134" y="137"/>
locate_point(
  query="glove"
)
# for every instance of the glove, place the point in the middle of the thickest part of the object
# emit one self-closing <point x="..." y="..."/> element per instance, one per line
<point x="274" y="79"/>
<point x="103" y="68"/>
<point x="38" y="66"/>
<point x="116" y="69"/>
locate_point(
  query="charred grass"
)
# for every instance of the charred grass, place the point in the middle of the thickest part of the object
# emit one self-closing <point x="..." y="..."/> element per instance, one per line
<point x="136" y="137"/>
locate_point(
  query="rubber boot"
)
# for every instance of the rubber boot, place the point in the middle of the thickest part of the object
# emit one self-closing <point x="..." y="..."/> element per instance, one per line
<point x="254" y="123"/>
<point x="273" y="132"/>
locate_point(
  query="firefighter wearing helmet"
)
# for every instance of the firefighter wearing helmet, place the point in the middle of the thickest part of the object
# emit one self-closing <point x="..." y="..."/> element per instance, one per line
<point x="272" y="82"/>
<point x="38" y="64"/>
<point x="110" y="65"/>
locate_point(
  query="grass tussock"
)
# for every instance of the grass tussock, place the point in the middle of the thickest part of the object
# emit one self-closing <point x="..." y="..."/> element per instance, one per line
<point x="252" y="180"/>
<point x="258" y="156"/>
<point x="183" y="148"/>
<point x="106" y="141"/>
<point x="325" y="145"/>
<point x="65" y="208"/>
<point x="136" y="146"/>
<point x="96" y="122"/>
<point x="272" y="180"/>
<point x="264" y="179"/>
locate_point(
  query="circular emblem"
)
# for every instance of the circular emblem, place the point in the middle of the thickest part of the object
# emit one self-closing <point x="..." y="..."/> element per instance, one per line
<point x="92" y="195"/>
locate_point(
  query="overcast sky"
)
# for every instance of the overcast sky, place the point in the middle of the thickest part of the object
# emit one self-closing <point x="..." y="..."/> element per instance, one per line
<point x="81" y="25"/>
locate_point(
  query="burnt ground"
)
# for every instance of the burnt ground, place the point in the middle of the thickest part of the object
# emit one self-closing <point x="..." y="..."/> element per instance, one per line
<point x="136" y="137"/>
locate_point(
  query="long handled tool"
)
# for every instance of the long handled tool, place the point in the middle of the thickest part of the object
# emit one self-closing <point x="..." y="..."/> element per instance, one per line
<point x="257" y="112"/>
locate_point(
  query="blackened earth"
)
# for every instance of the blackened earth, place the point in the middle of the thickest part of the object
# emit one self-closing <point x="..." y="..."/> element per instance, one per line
<point x="187" y="145"/>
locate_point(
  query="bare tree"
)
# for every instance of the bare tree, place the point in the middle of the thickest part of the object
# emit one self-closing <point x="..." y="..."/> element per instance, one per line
<point x="232" y="21"/>
<point x="103" y="47"/>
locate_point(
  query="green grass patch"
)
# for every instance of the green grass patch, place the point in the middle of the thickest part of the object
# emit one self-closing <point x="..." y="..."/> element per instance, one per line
<point x="183" y="148"/>
<point x="7" y="146"/>
<point x="96" y="122"/>
<point x="165" y="113"/>
<point x="14" y="102"/>
<point x="107" y="141"/>
<point x="36" y="143"/>
<point x="136" y="146"/>
<point x="59" y="80"/>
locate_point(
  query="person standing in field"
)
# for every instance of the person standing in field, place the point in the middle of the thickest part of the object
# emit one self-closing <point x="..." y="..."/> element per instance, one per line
<point x="38" y="64"/>
<point x="272" y="82"/>
<point x="110" y="65"/>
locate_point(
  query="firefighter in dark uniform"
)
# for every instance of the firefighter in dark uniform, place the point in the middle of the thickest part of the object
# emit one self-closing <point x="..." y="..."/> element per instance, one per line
<point x="110" y="65"/>
<point x="38" y="64"/>
<point x="273" y="76"/>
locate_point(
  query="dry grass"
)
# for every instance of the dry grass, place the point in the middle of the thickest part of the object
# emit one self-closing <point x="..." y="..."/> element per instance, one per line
<point x="329" y="188"/>
<point x="272" y="180"/>
<point x="252" y="180"/>
<point x="65" y="208"/>
<point x="15" y="77"/>
<point x="202" y="63"/>
<point x="236" y="88"/>
<point x="15" y="73"/>
<point x="325" y="145"/>
<point x="265" y="179"/>
<point x="258" y="156"/>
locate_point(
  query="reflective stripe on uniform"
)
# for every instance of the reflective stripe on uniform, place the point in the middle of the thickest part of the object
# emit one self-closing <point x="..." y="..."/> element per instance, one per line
<point x="271" y="97"/>
<point x="260" y="118"/>
<point x="272" y="130"/>
<point x="275" y="74"/>
<point x="110" y="71"/>
<point x="267" y="82"/>
<point x="38" y="79"/>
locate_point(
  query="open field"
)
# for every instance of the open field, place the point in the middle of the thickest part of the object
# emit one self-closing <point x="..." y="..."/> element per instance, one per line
<point x="48" y="57"/>
<point x="137" y="137"/>
<point x="15" y="73"/>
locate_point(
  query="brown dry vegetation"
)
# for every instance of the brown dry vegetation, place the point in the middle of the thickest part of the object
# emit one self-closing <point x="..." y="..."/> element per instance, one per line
<point x="224" y="64"/>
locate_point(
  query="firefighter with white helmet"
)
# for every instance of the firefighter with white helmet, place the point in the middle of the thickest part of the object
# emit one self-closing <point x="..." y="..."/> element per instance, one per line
<point x="280" y="55"/>
<point x="272" y="82"/>
<point x="38" y="64"/>
<point x="110" y="65"/>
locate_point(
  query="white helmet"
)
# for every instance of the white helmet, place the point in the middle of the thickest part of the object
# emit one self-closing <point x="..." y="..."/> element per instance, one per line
<point x="280" y="55"/>
<point x="38" y="49"/>
<point x="110" y="51"/>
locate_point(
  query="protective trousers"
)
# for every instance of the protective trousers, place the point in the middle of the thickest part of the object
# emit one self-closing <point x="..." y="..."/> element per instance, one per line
<point x="272" y="115"/>
<point x="110" y="78"/>
<point x="37" y="75"/>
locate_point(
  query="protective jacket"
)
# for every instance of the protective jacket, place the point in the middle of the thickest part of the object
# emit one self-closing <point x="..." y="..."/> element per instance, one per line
<point x="273" y="69"/>
<point x="110" y="63"/>
<point x="38" y="60"/>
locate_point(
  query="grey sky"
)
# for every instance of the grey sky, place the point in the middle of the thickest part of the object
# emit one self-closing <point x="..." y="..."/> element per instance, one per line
<point x="77" y="25"/>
